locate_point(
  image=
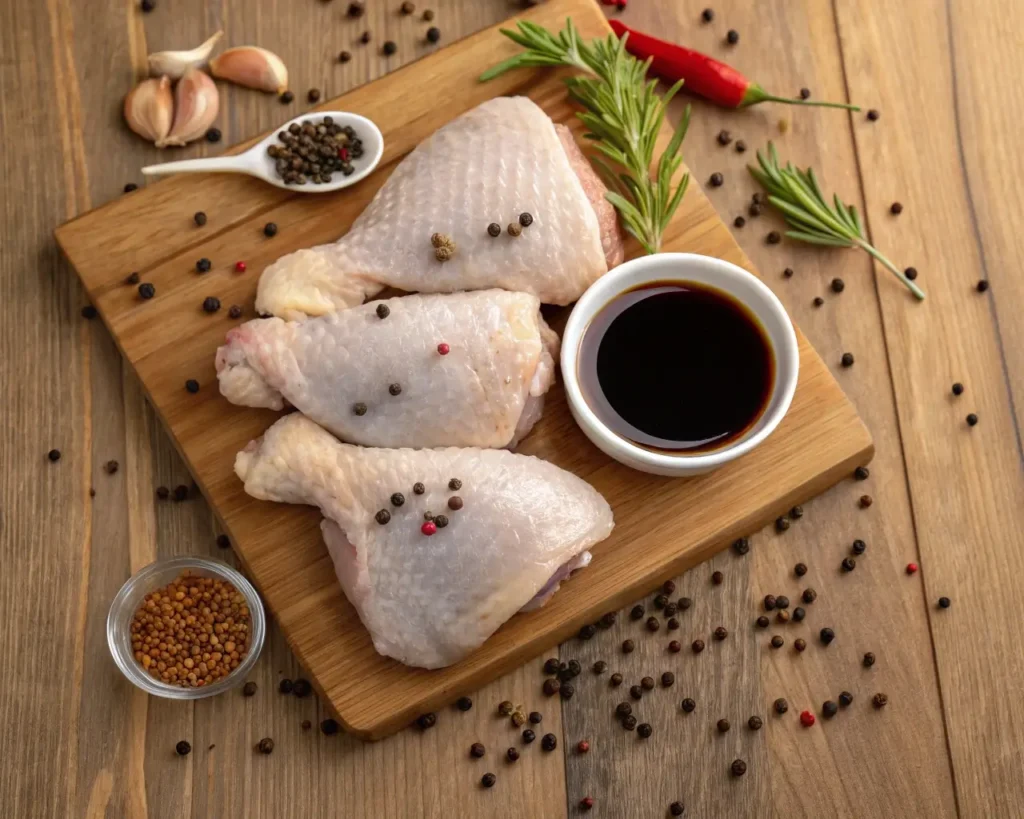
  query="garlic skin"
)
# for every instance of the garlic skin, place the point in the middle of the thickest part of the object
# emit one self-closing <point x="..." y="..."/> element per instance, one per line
<point x="149" y="108"/>
<point x="252" y="67"/>
<point x="174" y="64"/>
<point x="196" y="102"/>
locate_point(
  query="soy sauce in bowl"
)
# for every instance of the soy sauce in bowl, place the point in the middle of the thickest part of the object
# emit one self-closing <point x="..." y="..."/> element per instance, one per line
<point x="676" y="367"/>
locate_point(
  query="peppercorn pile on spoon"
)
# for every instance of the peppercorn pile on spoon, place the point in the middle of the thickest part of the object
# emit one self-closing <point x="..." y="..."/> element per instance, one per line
<point x="461" y="369"/>
<point x="499" y="197"/>
<point x="259" y="162"/>
<point x="503" y="531"/>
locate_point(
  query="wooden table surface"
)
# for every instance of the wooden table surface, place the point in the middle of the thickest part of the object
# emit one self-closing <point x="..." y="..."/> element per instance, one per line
<point x="80" y="741"/>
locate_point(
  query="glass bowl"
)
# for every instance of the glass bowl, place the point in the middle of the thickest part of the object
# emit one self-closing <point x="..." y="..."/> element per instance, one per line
<point x="155" y="576"/>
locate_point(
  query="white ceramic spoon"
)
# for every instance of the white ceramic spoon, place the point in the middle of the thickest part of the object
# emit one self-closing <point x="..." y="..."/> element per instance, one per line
<point x="256" y="162"/>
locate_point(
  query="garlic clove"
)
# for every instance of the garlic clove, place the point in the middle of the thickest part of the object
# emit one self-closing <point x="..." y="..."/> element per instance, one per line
<point x="252" y="67"/>
<point x="196" y="102"/>
<point x="175" y="63"/>
<point x="148" y="109"/>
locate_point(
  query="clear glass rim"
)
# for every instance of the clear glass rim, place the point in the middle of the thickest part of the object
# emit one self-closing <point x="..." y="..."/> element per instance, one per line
<point x="119" y="612"/>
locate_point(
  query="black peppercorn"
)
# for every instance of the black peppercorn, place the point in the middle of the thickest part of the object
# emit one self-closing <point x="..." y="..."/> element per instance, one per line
<point x="146" y="290"/>
<point x="397" y="499"/>
<point x="754" y="209"/>
<point x="716" y="179"/>
<point x="896" y="208"/>
<point x="849" y="564"/>
<point x="235" y="311"/>
<point x="249" y="689"/>
<point x="724" y="137"/>
<point x="389" y="48"/>
<point x="329" y="727"/>
<point x="131" y="186"/>
<point x="769" y="602"/>
<point x="636" y="692"/>
<point x="344" y="57"/>
<point x="754" y="723"/>
<point x="525" y="219"/>
<point x="463" y="703"/>
<point x="723" y="726"/>
<point x="660" y="601"/>
<point x="910" y="273"/>
<point x="684" y="603"/>
<point x="454" y="484"/>
<point x="781" y="706"/>
<point x="477" y="750"/>
<point x="132" y="278"/>
<point x="627" y="646"/>
<point x="880" y="700"/>
<point x="688" y="705"/>
<point x="799" y="644"/>
<point x="653" y="624"/>
<point x="778" y="642"/>
<point x="798" y="614"/>
<point x="551" y="687"/>
<point x="286" y="97"/>
<point x="382" y="516"/>
<point x="203" y="265"/>
<point x="211" y="304"/>
<point x="623" y="709"/>
<point x="265" y="745"/>
<point x="550" y="665"/>
<point x="738" y="767"/>
<point x="782" y="602"/>
<point x="826" y="635"/>
<point x="192" y="386"/>
<point x="512" y="754"/>
<point x="670" y="611"/>
<point x="741" y="546"/>
<point x="837" y="285"/>
<point x="732" y="37"/>
<point x="796" y="512"/>
<point x="536" y="717"/>
<point x="697" y="646"/>
<point x="494" y="229"/>
<point x="845" y="698"/>
<point x="958" y="388"/>
<point x="741" y="146"/>
<point x="720" y="633"/>
<point x="800" y="569"/>
<point x="488" y="780"/>
<point x="873" y="115"/>
<point x="383" y="311"/>
<point x="668" y="679"/>
<point x="395" y="389"/>
<point x="644" y="730"/>
<point x="781" y="524"/>
<point x="163" y="492"/>
<point x="213" y="135"/>
<point x="629" y="723"/>
<point x="301" y="688"/>
<point x="869" y="659"/>
<point x="676" y="808"/>
<point x="223" y="542"/>
<point x="773" y="237"/>
<point x="147" y="5"/>
<point x="717" y="578"/>
<point x="647" y="683"/>
<point x="285" y="686"/>
<point x="707" y="15"/>
<point x="945" y="602"/>
<point x="805" y="93"/>
<point x="359" y="408"/>
<point x="418" y="489"/>
<point x="599" y="667"/>
<point x="846" y="360"/>
<point x="861" y="473"/>
<point x="356" y="9"/>
<point x="587" y="631"/>
<point x="858" y="547"/>
<point x="270" y="229"/>
<point x="313" y="95"/>
<point x="528" y="735"/>
<point x="636" y="612"/>
<point x="183" y="748"/>
<point x="829" y="709"/>
<point x="809" y="596"/>
<point x="549" y="742"/>
<point x="181" y="492"/>
<point x="762" y="621"/>
<point x="567" y="690"/>
<point x="818" y="301"/>
<point x="615" y="680"/>
<point x="972" y="420"/>
<point x="433" y="34"/>
<point x="865" y="501"/>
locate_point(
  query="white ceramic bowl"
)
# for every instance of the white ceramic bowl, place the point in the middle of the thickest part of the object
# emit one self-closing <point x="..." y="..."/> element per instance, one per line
<point x="682" y="267"/>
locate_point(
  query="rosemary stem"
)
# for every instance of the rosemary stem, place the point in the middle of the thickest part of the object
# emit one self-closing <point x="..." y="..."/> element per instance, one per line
<point x="913" y="288"/>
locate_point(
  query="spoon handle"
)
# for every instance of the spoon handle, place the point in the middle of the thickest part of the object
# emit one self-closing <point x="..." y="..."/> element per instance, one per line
<point x="216" y="164"/>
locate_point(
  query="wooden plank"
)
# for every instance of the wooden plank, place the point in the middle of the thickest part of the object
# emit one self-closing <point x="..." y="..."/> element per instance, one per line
<point x="965" y="483"/>
<point x="820" y="439"/>
<point x="851" y="766"/>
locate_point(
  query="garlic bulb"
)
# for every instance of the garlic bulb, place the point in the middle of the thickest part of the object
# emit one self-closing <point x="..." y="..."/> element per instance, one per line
<point x="174" y="64"/>
<point x="148" y="109"/>
<point x="252" y="67"/>
<point x="196" y="102"/>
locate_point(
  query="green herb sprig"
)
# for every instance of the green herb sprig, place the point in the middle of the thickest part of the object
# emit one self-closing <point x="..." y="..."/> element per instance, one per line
<point x="797" y="194"/>
<point x="623" y="115"/>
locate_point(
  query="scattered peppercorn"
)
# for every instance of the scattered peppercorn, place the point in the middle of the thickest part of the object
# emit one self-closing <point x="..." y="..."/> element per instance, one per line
<point x="395" y="389"/>
<point x="796" y="512"/>
<point x="724" y="137"/>
<point x="587" y="631"/>
<point x="286" y="97"/>
<point x="865" y="501"/>
<point x="910" y="273"/>
<point x="972" y="420"/>
<point x="270" y="229"/>
<point x="837" y="285"/>
<point x="849" y="564"/>
<point x="800" y="644"/>
<point x="211" y="304"/>
<point x="131" y="186"/>
<point x="781" y="524"/>
<point x="627" y="646"/>
<point x="716" y="179"/>
<point x="132" y="278"/>
<point x="636" y="692"/>
<point x="738" y="767"/>
<point x="463" y="703"/>
<point x="329" y="727"/>
<point x="845" y="698"/>
<point x="265" y="745"/>
<point x="146" y="290"/>
<point x="382" y="516"/>
<point x="782" y="616"/>
<point x="806" y="719"/>
<point x="798" y="614"/>
<point x="672" y="624"/>
<point x="512" y="754"/>
<point x="782" y="602"/>
<point x="858" y="547"/>
<point x="180" y="492"/>
<point x="777" y="641"/>
<point x="827" y="635"/>
<point x="754" y="723"/>
<point x="717" y="578"/>
<point x="615" y="680"/>
<point x="773" y="237"/>
<point x="428" y="15"/>
<point x="818" y="301"/>
<point x="551" y="687"/>
<point x="945" y="602"/>
<point x="800" y="569"/>
<point x="805" y="93"/>
<point x="586" y="803"/>
<point x="433" y="34"/>
<point x="488" y="780"/>
<point x="781" y="706"/>
<point x="707" y="15"/>
<point x="873" y="115"/>
<point x="809" y="596"/>
<point x="732" y="37"/>
<point x="213" y="135"/>
<point x="676" y="809"/>
<point x="344" y="57"/>
<point x="644" y="730"/>
<point x="163" y="492"/>
<point x="847" y="360"/>
<point x="788" y="273"/>
<point x="723" y="726"/>
<point x="880" y="700"/>
<point x="660" y="601"/>
<point x="535" y="717"/>
<point x="549" y="742"/>
<point x="829" y="709"/>
<point x="505" y="708"/>
<point x="762" y="621"/>
<point x="599" y="667"/>
<point x="720" y="633"/>
<point x="636" y="612"/>
<point x="697" y="646"/>
<point x="477" y="750"/>
<point x="741" y="545"/>
<point x="89" y="312"/>
<point x="313" y="95"/>
<point x="911" y="568"/>
<point x="653" y="624"/>
<point x="389" y="48"/>
<point x="356" y="9"/>
<point x="235" y="311"/>
<point x="183" y="748"/>
<point x="770" y="601"/>
<point x="688" y="705"/>
<point x="684" y="603"/>
<point x="301" y="688"/>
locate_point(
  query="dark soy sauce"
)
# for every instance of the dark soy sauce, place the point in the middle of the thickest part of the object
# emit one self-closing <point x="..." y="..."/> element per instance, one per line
<point x="676" y="366"/>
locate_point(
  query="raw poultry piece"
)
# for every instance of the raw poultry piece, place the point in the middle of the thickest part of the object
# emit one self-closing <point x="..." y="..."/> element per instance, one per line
<point x="499" y="160"/>
<point x="512" y="523"/>
<point x="461" y="369"/>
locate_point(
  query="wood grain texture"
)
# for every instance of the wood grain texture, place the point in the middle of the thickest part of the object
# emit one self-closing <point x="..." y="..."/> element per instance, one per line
<point x="169" y="339"/>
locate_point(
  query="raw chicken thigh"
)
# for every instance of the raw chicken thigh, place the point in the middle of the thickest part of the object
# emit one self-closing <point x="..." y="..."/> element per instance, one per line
<point x="342" y="369"/>
<point x="502" y="158"/>
<point x="430" y="600"/>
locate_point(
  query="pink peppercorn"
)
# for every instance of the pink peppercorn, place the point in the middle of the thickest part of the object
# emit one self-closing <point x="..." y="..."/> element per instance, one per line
<point x="443" y="349"/>
<point x="582" y="746"/>
<point x="429" y="528"/>
<point x="911" y="568"/>
<point x="343" y="154"/>
<point x="806" y="719"/>
<point x="239" y="267"/>
<point x="587" y="802"/>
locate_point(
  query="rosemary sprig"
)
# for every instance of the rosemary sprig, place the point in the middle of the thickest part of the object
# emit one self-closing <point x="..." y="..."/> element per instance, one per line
<point x="623" y="116"/>
<point x="797" y="194"/>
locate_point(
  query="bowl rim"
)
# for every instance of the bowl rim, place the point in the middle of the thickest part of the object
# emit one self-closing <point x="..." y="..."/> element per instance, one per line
<point x="125" y="660"/>
<point x="720" y="273"/>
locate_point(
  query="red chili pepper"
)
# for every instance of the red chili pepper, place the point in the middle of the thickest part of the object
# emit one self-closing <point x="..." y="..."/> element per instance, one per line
<point x="703" y="75"/>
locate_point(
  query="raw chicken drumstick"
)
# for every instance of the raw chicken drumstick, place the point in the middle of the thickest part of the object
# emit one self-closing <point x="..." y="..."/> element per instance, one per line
<point x="497" y="161"/>
<point x="516" y="526"/>
<point x="461" y="369"/>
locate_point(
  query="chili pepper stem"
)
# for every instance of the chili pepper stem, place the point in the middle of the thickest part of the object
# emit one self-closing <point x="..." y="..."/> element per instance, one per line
<point x="913" y="288"/>
<point x="755" y="94"/>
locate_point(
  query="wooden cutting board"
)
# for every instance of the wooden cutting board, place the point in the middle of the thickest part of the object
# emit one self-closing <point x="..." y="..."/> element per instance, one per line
<point x="663" y="526"/>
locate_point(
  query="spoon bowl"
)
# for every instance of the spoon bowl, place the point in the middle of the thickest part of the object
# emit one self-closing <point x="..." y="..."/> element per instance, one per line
<point x="257" y="162"/>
